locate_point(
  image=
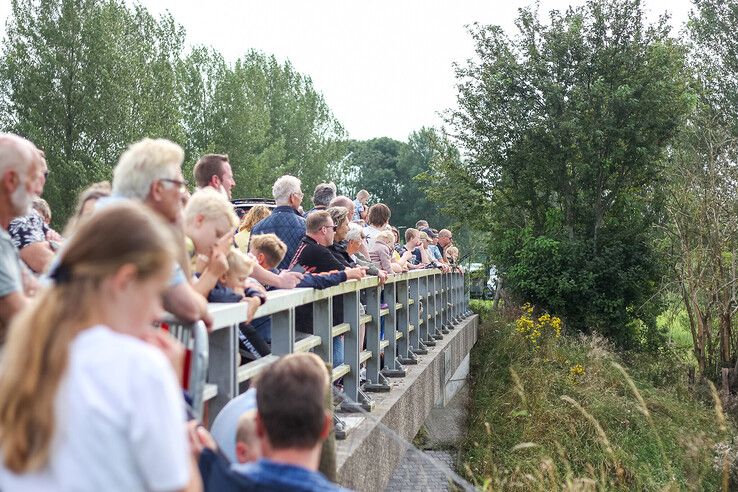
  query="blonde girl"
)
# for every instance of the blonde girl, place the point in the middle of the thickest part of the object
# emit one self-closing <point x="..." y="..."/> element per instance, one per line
<point x="89" y="399"/>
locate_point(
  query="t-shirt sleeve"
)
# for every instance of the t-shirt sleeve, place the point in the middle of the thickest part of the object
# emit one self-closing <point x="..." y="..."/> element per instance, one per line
<point x="10" y="280"/>
<point x="157" y="428"/>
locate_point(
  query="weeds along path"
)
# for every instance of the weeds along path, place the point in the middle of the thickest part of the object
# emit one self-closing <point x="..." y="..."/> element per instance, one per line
<point x="570" y="412"/>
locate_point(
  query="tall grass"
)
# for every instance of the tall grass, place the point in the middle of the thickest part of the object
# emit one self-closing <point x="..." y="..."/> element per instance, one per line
<point x="536" y="423"/>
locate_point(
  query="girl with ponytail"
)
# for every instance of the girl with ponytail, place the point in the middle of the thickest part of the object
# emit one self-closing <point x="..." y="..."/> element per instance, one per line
<point x="88" y="399"/>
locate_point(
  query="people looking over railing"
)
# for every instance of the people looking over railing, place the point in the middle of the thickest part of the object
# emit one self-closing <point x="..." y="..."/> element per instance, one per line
<point x="285" y="221"/>
<point x="291" y="390"/>
<point x="83" y="374"/>
<point x="90" y="398"/>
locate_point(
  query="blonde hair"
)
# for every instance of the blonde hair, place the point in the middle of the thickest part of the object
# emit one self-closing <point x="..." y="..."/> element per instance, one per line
<point x="42" y="207"/>
<point x="452" y="251"/>
<point x="144" y="162"/>
<point x="238" y="262"/>
<point x="387" y="238"/>
<point x="212" y="205"/>
<point x="253" y="216"/>
<point x="37" y="350"/>
<point x="270" y="246"/>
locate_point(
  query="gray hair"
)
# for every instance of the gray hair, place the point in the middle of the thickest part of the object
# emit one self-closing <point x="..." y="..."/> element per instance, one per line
<point x="284" y="187"/>
<point x="355" y="232"/>
<point x="143" y="163"/>
<point x="323" y="194"/>
<point x="16" y="153"/>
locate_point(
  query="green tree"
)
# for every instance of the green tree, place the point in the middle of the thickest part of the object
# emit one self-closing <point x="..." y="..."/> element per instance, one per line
<point x="81" y="79"/>
<point x="563" y="129"/>
<point x="265" y="115"/>
<point x="392" y="172"/>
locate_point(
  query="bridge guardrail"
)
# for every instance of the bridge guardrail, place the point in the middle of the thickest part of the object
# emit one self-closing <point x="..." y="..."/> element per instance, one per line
<point x="421" y="307"/>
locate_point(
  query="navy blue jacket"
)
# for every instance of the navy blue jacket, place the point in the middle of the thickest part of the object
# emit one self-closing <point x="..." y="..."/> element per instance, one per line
<point x="288" y="225"/>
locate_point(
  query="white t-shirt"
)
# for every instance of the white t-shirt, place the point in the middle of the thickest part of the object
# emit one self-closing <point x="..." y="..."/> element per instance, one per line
<point x="119" y="421"/>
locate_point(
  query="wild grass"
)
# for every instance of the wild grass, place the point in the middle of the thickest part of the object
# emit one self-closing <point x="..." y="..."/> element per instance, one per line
<point x="637" y="423"/>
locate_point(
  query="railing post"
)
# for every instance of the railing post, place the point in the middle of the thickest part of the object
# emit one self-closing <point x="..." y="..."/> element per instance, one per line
<point x="443" y="303"/>
<point x="357" y="400"/>
<point x="283" y="332"/>
<point x="404" y="352"/>
<point x="433" y="325"/>
<point x="375" y="381"/>
<point x="223" y="344"/>
<point x="456" y="298"/>
<point x="392" y="366"/>
<point x="425" y="329"/>
<point x="323" y="327"/>
<point x="416" y="345"/>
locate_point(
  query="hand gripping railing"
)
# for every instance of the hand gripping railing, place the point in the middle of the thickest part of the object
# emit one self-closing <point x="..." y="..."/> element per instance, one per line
<point x="419" y="308"/>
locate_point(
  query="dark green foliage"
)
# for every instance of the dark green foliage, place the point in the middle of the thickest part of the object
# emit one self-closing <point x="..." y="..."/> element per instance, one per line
<point x="391" y="170"/>
<point x="84" y="78"/>
<point x="563" y="128"/>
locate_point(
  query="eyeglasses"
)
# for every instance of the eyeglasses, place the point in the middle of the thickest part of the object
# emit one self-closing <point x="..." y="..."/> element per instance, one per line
<point x="182" y="184"/>
<point x="334" y="227"/>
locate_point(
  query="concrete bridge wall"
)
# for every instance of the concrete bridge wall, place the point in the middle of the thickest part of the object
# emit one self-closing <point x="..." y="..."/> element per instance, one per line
<point x="366" y="458"/>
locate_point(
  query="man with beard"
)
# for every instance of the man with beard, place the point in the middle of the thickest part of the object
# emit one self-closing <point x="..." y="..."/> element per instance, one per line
<point x="22" y="168"/>
<point x="30" y="234"/>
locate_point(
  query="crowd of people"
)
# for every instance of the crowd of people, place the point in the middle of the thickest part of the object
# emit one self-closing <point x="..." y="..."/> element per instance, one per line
<point x="90" y="394"/>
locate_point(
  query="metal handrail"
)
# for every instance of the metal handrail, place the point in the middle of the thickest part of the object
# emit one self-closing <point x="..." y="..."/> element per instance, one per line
<point x="422" y="306"/>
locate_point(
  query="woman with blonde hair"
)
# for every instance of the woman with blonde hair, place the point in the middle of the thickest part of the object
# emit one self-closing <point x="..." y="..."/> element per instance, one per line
<point x="252" y="217"/>
<point x="89" y="396"/>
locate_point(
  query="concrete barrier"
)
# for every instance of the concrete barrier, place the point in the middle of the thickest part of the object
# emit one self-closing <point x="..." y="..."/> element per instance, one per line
<point x="366" y="458"/>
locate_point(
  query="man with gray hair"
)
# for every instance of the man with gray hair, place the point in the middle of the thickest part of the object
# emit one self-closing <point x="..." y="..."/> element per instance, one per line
<point x="150" y="171"/>
<point x="322" y="196"/>
<point x="285" y="221"/>
<point x="21" y="169"/>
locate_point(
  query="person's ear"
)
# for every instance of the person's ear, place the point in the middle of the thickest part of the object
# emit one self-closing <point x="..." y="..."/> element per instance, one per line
<point x="124" y="276"/>
<point x="242" y="452"/>
<point x="10" y="181"/>
<point x="199" y="219"/>
<point x="260" y="429"/>
<point x="215" y="181"/>
<point x="327" y="426"/>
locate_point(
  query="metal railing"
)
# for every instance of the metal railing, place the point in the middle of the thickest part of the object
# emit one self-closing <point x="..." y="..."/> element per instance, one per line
<point x="420" y="308"/>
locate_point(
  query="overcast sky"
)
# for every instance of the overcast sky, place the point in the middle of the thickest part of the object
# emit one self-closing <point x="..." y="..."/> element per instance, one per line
<point x="384" y="66"/>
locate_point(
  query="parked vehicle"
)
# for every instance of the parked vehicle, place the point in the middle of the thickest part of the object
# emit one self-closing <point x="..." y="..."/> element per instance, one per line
<point x="243" y="205"/>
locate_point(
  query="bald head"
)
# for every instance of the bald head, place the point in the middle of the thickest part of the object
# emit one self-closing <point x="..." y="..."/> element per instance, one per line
<point x="343" y="201"/>
<point x="17" y="153"/>
<point x="21" y="176"/>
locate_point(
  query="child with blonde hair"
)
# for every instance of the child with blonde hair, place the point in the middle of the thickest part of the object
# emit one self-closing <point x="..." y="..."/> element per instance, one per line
<point x="232" y="287"/>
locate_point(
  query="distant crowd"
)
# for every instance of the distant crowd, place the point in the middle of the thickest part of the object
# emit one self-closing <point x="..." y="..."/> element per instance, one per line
<point x="90" y="394"/>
